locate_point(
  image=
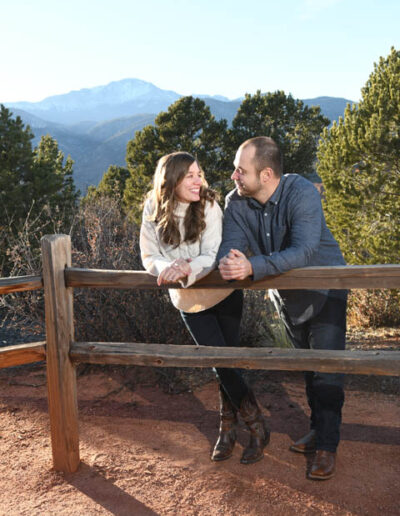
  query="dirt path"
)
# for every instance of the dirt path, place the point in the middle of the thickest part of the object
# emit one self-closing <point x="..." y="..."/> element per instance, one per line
<point x="145" y="452"/>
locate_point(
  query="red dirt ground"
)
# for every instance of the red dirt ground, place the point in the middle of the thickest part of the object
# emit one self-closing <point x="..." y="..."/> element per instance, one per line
<point x="146" y="452"/>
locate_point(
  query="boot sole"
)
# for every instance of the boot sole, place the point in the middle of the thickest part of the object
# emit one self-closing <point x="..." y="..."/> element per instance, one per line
<point x="310" y="476"/>
<point x="252" y="461"/>
<point x="220" y="459"/>
<point x="304" y="451"/>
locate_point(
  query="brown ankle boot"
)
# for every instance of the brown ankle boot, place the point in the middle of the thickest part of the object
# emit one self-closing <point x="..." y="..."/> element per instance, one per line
<point x="323" y="465"/>
<point x="304" y="445"/>
<point x="227" y="428"/>
<point x="259" y="432"/>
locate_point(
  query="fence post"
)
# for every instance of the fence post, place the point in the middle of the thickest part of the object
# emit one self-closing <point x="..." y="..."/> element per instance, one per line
<point x="61" y="374"/>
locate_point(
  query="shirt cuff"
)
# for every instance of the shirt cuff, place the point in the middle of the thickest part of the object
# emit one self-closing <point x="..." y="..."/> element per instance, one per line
<point x="259" y="267"/>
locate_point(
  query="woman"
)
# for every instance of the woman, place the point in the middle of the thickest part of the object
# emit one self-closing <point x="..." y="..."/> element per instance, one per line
<point x="179" y="239"/>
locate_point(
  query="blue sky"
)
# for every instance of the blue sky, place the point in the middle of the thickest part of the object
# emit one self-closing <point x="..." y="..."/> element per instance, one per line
<point x="307" y="48"/>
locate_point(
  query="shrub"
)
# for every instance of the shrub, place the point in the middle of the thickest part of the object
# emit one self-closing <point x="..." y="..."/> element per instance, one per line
<point x="373" y="308"/>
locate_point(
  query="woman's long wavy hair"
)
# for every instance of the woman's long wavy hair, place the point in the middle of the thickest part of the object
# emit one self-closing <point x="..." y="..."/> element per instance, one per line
<point x="170" y="171"/>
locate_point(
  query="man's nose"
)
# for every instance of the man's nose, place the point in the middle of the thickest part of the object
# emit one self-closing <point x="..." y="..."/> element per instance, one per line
<point x="235" y="175"/>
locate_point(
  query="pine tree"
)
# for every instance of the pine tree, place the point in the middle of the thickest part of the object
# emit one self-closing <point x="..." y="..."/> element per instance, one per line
<point x="16" y="161"/>
<point x="293" y="125"/>
<point x="36" y="186"/>
<point x="51" y="183"/>
<point x="359" y="162"/>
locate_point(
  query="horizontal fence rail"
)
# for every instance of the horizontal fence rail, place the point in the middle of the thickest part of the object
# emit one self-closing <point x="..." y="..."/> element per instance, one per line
<point x="330" y="277"/>
<point x="20" y="284"/>
<point x="19" y="354"/>
<point x="386" y="363"/>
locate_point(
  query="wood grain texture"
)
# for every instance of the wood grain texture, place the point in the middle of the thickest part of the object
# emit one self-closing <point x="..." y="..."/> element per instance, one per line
<point x="19" y="354"/>
<point x="20" y="284"/>
<point x="61" y="375"/>
<point x="332" y="277"/>
<point x="386" y="363"/>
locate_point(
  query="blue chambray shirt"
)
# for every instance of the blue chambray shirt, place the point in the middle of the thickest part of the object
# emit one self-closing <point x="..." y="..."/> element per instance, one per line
<point x="287" y="232"/>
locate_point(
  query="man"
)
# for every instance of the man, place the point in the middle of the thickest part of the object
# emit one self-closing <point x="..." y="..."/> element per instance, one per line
<point x="274" y="223"/>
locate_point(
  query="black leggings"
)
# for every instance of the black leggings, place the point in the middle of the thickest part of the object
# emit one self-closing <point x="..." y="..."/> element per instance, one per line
<point x="219" y="326"/>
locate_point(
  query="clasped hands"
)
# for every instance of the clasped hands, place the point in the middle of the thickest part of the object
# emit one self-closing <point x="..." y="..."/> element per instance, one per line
<point x="178" y="270"/>
<point x="235" y="266"/>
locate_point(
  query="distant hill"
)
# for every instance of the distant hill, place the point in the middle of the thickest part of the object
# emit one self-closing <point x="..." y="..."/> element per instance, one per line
<point x="94" y="125"/>
<point x="331" y="107"/>
<point x="92" y="145"/>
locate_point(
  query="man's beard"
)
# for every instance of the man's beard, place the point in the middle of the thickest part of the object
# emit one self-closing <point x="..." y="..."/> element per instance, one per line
<point x="245" y="191"/>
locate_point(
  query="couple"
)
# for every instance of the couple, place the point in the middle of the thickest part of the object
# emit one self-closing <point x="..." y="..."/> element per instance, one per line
<point x="272" y="223"/>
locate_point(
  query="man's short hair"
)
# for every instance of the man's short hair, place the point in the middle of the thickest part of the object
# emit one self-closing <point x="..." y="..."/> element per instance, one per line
<point x="267" y="154"/>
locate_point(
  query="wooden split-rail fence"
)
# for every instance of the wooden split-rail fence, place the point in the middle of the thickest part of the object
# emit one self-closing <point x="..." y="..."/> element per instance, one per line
<point x="62" y="353"/>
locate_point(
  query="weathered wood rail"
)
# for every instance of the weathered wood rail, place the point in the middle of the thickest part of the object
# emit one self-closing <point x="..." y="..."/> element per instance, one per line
<point x="22" y="354"/>
<point x="62" y="353"/>
<point x="20" y="284"/>
<point x="386" y="363"/>
<point x="335" y="277"/>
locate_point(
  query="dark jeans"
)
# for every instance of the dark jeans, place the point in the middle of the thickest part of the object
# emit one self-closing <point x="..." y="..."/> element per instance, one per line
<point x="325" y="395"/>
<point x="219" y="326"/>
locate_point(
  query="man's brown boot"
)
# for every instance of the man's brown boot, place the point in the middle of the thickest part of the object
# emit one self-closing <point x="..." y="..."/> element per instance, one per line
<point x="304" y="445"/>
<point x="227" y="428"/>
<point x="323" y="465"/>
<point x="259" y="432"/>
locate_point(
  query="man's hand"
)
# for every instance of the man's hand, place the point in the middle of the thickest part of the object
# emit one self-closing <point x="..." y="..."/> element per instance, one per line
<point x="235" y="266"/>
<point x="178" y="269"/>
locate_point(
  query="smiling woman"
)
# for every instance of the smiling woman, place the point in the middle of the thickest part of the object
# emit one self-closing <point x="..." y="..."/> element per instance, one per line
<point x="179" y="239"/>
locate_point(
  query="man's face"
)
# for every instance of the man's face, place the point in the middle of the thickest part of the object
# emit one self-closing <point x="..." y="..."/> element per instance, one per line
<point x="245" y="175"/>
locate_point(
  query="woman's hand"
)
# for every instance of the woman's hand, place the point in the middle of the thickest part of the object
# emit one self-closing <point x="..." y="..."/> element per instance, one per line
<point x="178" y="269"/>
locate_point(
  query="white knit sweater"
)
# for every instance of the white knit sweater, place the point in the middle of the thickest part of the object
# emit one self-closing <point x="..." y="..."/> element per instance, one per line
<point x="156" y="256"/>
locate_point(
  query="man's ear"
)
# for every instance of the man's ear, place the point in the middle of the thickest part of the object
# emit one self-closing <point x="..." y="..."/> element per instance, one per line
<point x="266" y="174"/>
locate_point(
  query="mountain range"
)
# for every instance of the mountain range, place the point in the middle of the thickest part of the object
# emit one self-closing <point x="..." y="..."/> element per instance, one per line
<point x="93" y="125"/>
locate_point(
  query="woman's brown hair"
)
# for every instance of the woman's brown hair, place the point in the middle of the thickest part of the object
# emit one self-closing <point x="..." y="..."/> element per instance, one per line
<point x="170" y="171"/>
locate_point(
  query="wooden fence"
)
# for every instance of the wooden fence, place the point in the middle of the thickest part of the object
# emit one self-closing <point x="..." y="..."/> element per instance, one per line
<point x="62" y="353"/>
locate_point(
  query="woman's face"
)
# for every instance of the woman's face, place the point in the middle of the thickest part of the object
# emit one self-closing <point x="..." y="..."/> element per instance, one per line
<point x="188" y="190"/>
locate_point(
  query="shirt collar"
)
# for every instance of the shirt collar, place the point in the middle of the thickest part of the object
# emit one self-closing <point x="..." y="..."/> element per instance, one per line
<point x="274" y="199"/>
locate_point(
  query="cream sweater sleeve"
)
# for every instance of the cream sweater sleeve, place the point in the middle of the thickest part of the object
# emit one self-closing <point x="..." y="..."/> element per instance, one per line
<point x="210" y="240"/>
<point x="153" y="260"/>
